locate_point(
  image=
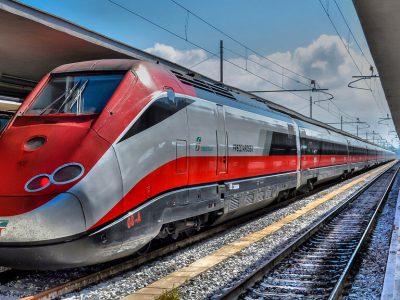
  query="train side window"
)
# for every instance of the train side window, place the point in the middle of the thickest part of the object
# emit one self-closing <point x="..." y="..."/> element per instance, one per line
<point x="324" y="149"/>
<point x="328" y="148"/>
<point x="157" y="112"/>
<point x="303" y="146"/>
<point x="316" y="147"/>
<point x="310" y="146"/>
<point x="283" y="144"/>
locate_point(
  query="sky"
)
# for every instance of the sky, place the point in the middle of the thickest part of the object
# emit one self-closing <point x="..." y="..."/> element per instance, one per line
<point x="297" y="35"/>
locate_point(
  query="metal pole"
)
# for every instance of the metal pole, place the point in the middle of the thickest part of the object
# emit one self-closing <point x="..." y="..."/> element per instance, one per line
<point x="373" y="137"/>
<point x="310" y="107"/>
<point x="341" y="122"/>
<point x="221" y="60"/>
<point x="357" y="129"/>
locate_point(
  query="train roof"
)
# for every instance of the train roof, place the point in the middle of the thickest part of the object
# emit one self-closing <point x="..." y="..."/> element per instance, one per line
<point x="202" y="82"/>
<point x="239" y="95"/>
<point x="97" y="65"/>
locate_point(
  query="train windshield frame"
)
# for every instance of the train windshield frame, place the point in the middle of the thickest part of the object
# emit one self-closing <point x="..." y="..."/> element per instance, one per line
<point x="76" y="93"/>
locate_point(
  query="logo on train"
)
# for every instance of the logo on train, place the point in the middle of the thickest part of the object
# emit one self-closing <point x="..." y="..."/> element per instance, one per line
<point x="198" y="144"/>
<point x="3" y="226"/>
<point x="199" y="148"/>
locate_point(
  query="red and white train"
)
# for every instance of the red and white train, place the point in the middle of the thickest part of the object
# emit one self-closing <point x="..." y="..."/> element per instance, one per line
<point x="104" y="156"/>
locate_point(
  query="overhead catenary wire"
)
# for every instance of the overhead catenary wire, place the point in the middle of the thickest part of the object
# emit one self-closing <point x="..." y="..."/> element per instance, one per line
<point x="351" y="32"/>
<point x="185" y="38"/>
<point x="203" y="61"/>
<point x="248" y="59"/>
<point x="265" y="67"/>
<point x="378" y="103"/>
<point x="239" y="42"/>
<point x="340" y="36"/>
<point x="262" y="56"/>
<point x="262" y="78"/>
<point x="359" y="47"/>
<point x="347" y="49"/>
<point x="190" y="42"/>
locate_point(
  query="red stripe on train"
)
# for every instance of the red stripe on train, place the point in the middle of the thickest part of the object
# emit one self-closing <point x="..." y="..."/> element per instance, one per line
<point x="319" y="161"/>
<point x="203" y="170"/>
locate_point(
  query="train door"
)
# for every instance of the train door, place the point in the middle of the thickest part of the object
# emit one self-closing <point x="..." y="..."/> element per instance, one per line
<point x="203" y="142"/>
<point x="298" y="148"/>
<point x="222" y="147"/>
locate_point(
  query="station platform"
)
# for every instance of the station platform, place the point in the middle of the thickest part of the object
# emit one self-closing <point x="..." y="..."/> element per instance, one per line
<point x="391" y="285"/>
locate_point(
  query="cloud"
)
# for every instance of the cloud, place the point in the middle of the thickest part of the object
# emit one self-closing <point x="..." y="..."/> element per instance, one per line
<point x="186" y="58"/>
<point x="326" y="60"/>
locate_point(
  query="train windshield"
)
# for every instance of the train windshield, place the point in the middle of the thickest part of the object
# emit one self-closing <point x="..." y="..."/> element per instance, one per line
<point x="4" y="119"/>
<point x="75" y="94"/>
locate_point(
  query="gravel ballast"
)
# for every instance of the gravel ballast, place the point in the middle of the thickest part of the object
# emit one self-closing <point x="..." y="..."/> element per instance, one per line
<point x="368" y="275"/>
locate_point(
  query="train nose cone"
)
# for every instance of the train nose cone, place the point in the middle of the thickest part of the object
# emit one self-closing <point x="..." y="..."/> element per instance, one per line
<point x="59" y="218"/>
<point x="39" y="239"/>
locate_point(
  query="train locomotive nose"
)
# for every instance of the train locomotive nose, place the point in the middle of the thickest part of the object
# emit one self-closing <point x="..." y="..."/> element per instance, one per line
<point x="38" y="212"/>
<point x="27" y="239"/>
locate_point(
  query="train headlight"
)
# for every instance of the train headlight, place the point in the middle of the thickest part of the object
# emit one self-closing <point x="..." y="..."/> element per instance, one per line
<point x="68" y="173"/>
<point x="65" y="174"/>
<point x="38" y="183"/>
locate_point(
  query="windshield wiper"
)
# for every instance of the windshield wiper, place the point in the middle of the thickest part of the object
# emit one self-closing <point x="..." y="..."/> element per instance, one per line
<point x="78" y="98"/>
<point x="71" y="91"/>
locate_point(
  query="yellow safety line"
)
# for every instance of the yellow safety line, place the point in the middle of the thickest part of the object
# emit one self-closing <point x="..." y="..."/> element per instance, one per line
<point x="179" y="277"/>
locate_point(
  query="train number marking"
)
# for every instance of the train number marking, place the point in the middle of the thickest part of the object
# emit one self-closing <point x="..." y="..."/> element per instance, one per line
<point x="132" y="220"/>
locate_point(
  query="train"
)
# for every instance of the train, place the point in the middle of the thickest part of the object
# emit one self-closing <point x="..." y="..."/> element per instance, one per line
<point x="105" y="156"/>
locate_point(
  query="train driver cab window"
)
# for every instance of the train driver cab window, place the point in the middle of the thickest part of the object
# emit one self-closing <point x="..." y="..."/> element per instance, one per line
<point x="76" y="94"/>
<point x="4" y="119"/>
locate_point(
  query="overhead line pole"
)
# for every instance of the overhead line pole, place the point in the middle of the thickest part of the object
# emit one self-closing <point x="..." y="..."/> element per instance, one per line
<point x="221" y="60"/>
<point x="373" y="136"/>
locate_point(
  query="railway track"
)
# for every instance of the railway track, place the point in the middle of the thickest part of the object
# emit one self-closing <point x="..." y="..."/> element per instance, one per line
<point x="110" y="270"/>
<point x="317" y="264"/>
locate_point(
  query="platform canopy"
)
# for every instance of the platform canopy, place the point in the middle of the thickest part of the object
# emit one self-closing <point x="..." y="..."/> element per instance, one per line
<point x="33" y="42"/>
<point x="381" y="24"/>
